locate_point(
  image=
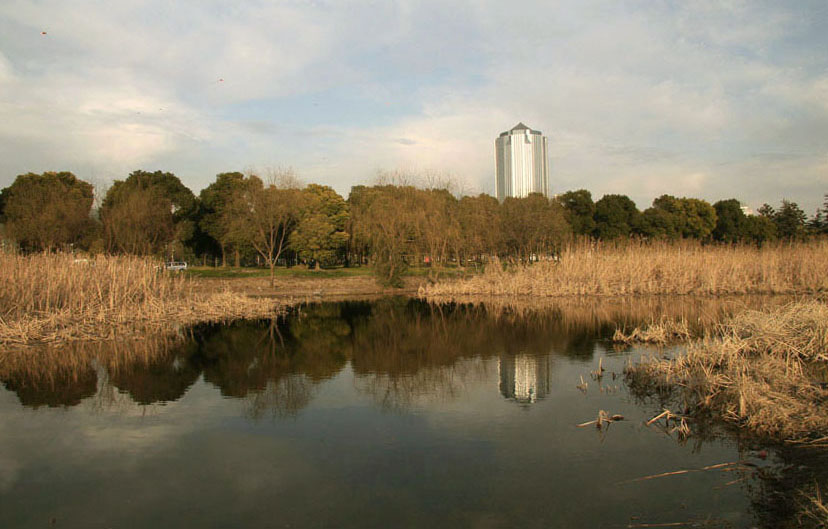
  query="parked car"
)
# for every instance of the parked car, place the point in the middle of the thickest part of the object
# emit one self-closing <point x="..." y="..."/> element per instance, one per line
<point x="175" y="265"/>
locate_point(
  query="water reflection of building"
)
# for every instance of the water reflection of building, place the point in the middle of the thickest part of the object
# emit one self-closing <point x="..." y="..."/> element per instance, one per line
<point x="524" y="378"/>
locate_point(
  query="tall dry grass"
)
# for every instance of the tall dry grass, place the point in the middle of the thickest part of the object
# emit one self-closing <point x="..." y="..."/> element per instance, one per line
<point x="764" y="370"/>
<point x="52" y="298"/>
<point x="635" y="268"/>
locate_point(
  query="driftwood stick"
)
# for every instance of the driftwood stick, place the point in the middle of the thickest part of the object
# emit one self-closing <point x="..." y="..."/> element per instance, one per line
<point x="723" y="467"/>
<point x="668" y="524"/>
<point x="603" y="417"/>
<point x="662" y="475"/>
<point x="659" y="416"/>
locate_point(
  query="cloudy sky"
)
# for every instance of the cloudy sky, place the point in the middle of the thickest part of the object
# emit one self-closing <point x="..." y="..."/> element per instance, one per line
<point x="706" y="99"/>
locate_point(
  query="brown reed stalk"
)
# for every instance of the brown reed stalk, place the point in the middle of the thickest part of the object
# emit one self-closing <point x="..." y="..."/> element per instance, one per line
<point x="642" y="268"/>
<point x="764" y="370"/>
<point x="53" y="298"/>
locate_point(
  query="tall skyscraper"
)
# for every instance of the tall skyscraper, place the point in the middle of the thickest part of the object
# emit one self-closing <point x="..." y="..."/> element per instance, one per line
<point x="521" y="163"/>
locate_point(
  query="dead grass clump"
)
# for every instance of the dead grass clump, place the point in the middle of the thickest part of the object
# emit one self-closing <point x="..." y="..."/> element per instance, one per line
<point x="763" y="370"/>
<point x="638" y="268"/>
<point x="54" y="298"/>
<point x="660" y="332"/>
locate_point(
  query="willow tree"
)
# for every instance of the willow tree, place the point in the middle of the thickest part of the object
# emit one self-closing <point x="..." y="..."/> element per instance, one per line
<point x="533" y="226"/>
<point x="385" y="219"/>
<point x="479" y="226"/>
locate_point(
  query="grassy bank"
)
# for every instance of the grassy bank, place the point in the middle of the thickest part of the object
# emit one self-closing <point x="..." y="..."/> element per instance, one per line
<point x="231" y="272"/>
<point x="301" y="272"/>
<point x="56" y="298"/>
<point x="764" y="370"/>
<point x="660" y="268"/>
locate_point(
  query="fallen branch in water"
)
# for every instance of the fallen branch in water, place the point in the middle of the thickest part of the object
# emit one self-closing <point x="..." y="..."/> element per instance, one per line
<point x="668" y="524"/>
<point x="723" y="467"/>
<point x="603" y="418"/>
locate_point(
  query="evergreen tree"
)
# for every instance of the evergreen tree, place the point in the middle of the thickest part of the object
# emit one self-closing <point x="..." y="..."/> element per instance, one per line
<point x="616" y="216"/>
<point x="730" y="221"/>
<point x="320" y="235"/>
<point x="790" y="221"/>
<point x="579" y="209"/>
<point x="49" y="210"/>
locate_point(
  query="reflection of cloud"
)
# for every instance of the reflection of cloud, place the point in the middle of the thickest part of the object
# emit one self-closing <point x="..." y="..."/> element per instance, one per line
<point x="437" y="384"/>
<point x="9" y="471"/>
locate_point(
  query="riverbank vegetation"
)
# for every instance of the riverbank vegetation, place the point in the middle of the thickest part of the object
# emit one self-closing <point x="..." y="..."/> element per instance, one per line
<point x="272" y="220"/>
<point x="55" y="298"/>
<point x="763" y="370"/>
<point x="640" y="268"/>
<point x="401" y="347"/>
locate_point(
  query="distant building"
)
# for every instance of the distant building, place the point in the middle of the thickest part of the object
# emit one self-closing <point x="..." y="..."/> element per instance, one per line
<point x="521" y="163"/>
<point x="523" y="378"/>
<point x="746" y="209"/>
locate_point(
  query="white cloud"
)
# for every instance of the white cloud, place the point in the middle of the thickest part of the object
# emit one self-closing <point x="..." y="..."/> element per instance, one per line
<point x="634" y="100"/>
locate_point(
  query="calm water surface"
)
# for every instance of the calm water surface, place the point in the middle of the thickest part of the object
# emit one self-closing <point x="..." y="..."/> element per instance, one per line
<point x="391" y="413"/>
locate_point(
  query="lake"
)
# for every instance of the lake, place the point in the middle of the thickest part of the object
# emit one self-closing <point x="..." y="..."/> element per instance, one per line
<point x="380" y="413"/>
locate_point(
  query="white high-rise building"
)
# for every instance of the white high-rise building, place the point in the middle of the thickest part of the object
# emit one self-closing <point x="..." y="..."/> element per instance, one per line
<point x="521" y="163"/>
<point x="524" y="378"/>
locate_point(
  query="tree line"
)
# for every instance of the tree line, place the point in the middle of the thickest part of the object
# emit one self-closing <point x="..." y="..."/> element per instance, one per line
<point x="274" y="219"/>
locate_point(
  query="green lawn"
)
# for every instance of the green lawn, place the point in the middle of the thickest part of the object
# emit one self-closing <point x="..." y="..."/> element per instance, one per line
<point x="301" y="271"/>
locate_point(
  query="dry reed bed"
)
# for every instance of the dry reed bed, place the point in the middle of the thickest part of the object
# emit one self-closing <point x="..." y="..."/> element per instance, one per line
<point x="56" y="298"/>
<point x="637" y="268"/>
<point x="761" y="369"/>
<point x="678" y="316"/>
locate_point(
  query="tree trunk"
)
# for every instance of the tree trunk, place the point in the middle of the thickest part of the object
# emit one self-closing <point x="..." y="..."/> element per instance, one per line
<point x="272" y="263"/>
<point x="238" y="258"/>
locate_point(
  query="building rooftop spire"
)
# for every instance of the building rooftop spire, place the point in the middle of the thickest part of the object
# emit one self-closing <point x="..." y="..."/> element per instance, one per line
<point x="520" y="126"/>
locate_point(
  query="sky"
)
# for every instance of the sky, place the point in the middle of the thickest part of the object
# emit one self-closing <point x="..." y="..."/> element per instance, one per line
<point x="705" y="99"/>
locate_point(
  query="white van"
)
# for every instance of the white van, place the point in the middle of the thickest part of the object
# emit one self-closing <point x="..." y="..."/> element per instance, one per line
<point x="175" y="265"/>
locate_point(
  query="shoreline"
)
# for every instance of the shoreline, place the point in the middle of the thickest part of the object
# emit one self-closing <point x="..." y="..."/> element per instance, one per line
<point x="322" y="288"/>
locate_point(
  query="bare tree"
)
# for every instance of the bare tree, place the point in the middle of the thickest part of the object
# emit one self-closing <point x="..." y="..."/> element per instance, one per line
<point x="264" y="215"/>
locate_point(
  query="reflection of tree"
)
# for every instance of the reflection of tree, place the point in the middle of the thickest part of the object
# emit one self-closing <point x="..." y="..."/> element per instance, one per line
<point x="319" y="338"/>
<point x="63" y="388"/>
<point x="283" y="397"/>
<point x="401" y="349"/>
<point x="408" y="349"/>
<point x="275" y="364"/>
<point x="443" y="383"/>
<point x="163" y="378"/>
